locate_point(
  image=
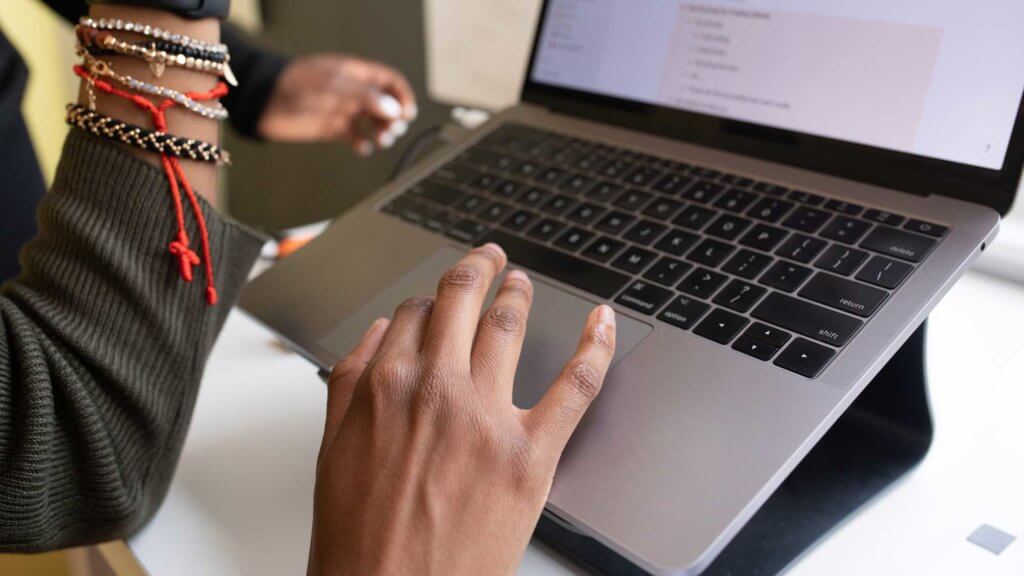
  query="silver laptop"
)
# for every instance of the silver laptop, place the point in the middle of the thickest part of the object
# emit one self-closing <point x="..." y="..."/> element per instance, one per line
<point x="772" y="194"/>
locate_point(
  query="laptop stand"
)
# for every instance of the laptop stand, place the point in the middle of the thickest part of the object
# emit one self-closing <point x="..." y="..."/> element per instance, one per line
<point x="883" y="434"/>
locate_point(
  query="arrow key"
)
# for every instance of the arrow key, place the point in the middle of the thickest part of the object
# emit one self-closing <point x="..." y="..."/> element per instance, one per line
<point x="754" y="348"/>
<point x="805" y="357"/>
<point x="721" y="326"/>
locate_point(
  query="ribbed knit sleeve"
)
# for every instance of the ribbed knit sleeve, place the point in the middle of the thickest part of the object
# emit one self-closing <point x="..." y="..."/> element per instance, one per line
<point x="102" y="346"/>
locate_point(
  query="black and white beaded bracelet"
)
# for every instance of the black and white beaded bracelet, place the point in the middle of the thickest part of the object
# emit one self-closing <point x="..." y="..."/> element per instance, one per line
<point x="149" y="140"/>
<point x="118" y="25"/>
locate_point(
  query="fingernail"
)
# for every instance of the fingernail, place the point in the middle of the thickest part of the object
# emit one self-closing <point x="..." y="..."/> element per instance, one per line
<point x="387" y="140"/>
<point x="373" y="328"/>
<point x="495" y="248"/>
<point x="517" y="275"/>
<point x="399" y="128"/>
<point x="390" y="107"/>
<point x="412" y="112"/>
<point x="365" y="148"/>
<point x="606" y="315"/>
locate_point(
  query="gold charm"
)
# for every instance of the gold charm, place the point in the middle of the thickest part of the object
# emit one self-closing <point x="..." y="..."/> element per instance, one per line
<point x="229" y="75"/>
<point x="157" y="68"/>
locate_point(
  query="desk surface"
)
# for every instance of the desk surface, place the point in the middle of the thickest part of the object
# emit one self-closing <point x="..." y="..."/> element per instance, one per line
<point x="241" y="500"/>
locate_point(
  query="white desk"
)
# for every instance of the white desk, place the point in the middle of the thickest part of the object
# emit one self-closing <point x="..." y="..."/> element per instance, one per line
<point x="241" y="500"/>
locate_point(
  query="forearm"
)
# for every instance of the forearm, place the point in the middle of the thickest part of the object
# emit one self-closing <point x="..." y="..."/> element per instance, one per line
<point x="203" y="176"/>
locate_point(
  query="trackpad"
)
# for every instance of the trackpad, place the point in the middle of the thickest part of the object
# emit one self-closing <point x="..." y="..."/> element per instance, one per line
<point x="553" y="331"/>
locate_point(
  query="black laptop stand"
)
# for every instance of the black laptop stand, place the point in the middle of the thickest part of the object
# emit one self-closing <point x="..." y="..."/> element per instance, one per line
<point x="884" y="434"/>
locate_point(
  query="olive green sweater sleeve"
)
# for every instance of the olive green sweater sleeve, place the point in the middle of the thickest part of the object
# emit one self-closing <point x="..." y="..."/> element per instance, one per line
<point x="102" y="347"/>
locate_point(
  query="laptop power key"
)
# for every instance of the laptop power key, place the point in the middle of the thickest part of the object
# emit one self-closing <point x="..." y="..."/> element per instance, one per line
<point x="562" y="267"/>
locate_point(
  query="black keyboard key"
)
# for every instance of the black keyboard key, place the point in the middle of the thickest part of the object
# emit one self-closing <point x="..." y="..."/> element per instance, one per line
<point x="805" y="358"/>
<point x="844" y="207"/>
<point x="883" y="217"/>
<point x="495" y="212"/>
<point x="645" y="232"/>
<point x="701" y="171"/>
<point x="643" y="296"/>
<point x="810" y="320"/>
<point x="694" y="217"/>
<point x="785" y="276"/>
<point x="736" y="200"/>
<point x="410" y="209"/>
<point x="668" y="271"/>
<point x="456" y="172"/>
<point x="764" y="237"/>
<point x="747" y="264"/>
<point x="520" y="220"/>
<point x="663" y="208"/>
<point x="728" y="227"/>
<point x="721" y="326"/>
<point x="574" y="239"/>
<point x="509" y="189"/>
<point x="676" y="242"/>
<point x="711" y="253"/>
<point x="615" y="222"/>
<point x="841" y="260"/>
<point x="922" y="227"/>
<point x="684" y="312"/>
<point x="672" y="184"/>
<point x="739" y="296"/>
<point x="772" y="189"/>
<point x="484" y="182"/>
<point x="806" y="198"/>
<point x="735" y="181"/>
<point x="845" y="229"/>
<point x="471" y="203"/>
<point x="546" y="229"/>
<point x="768" y="334"/>
<point x="528" y="169"/>
<point x="584" y="275"/>
<point x="897" y="243"/>
<point x="845" y="295"/>
<point x="755" y="348"/>
<point x="589" y="162"/>
<point x="436" y="192"/>
<point x="633" y="200"/>
<point x="467" y="230"/>
<point x="577" y="184"/>
<point x="534" y="197"/>
<point x="801" y="248"/>
<point x="642" y="176"/>
<point x="702" y="191"/>
<point x="884" y="272"/>
<point x="551" y="176"/>
<point x="616" y="169"/>
<point x="770" y="209"/>
<point x="559" y="204"/>
<point x="703" y="283"/>
<point x="604" y="191"/>
<point x="440" y="220"/>
<point x="603" y="249"/>
<point x="807" y="219"/>
<point x="488" y="158"/>
<point x="634" y="260"/>
<point x="585" y="213"/>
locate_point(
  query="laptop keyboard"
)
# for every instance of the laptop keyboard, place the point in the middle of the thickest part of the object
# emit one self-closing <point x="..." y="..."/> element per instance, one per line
<point x="784" y="276"/>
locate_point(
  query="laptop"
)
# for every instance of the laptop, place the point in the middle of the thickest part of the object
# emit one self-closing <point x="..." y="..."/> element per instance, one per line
<point x="771" y="194"/>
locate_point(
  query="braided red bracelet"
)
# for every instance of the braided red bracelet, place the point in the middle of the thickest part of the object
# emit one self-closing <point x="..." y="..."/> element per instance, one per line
<point x="180" y="247"/>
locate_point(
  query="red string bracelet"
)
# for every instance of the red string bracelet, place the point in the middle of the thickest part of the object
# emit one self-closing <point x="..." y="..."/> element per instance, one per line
<point x="180" y="247"/>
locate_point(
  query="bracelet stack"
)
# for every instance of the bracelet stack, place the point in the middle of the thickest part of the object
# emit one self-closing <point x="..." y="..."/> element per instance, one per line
<point x="98" y="39"/>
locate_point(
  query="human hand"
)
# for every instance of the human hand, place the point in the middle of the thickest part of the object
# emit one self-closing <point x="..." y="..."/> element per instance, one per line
<point x="332" y="97"/>
<point x="426" y="466"/>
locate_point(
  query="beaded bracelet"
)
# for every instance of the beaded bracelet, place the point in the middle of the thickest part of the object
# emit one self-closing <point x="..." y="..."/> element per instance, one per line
<point x="105" y="43"/>
<point x="149" y="140"/>
<point x="119" y="25"/>
<point x="103" y="68"/>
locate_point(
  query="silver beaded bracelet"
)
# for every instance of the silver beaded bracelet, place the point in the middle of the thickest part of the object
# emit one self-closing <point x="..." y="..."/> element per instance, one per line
<point x="151" y="32"/>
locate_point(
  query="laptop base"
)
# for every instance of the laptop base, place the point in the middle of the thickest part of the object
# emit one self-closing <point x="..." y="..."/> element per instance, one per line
<point x="882" y="436"/>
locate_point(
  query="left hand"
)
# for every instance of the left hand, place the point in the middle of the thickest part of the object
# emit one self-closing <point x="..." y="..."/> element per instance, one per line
<point x="333" y="97"/>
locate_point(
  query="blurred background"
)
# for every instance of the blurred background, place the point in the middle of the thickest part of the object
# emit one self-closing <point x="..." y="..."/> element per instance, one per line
<point x="275" y="186"/>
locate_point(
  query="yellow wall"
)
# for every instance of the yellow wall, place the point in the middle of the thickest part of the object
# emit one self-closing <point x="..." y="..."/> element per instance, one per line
<point x="47" y="45"/>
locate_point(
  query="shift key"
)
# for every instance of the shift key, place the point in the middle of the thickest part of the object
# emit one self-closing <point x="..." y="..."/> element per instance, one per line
<point x="897" y="243"/>
<point x="808" y="319"/>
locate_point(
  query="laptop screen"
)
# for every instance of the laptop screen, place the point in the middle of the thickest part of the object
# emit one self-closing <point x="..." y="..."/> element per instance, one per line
<point x="940" y="79"/>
